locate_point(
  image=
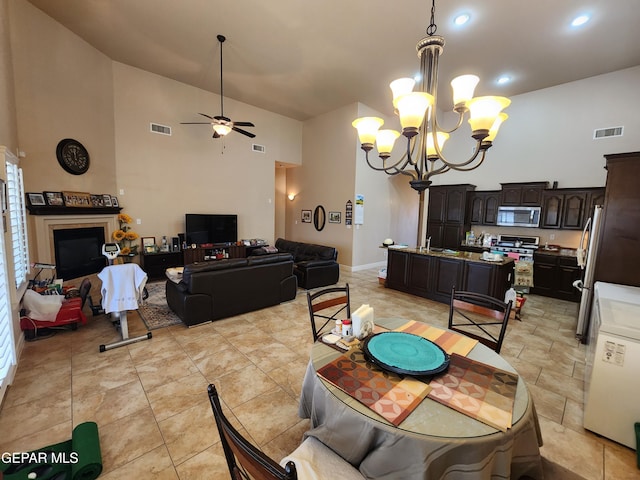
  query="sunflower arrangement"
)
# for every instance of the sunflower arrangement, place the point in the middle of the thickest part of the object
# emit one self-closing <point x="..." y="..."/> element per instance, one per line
<point x="124" y="235"/>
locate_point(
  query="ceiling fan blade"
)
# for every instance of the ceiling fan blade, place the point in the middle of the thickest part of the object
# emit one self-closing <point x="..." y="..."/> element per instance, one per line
<point x="244" y="124"/>
<point x="220" y="117"/>
<point x="205" y="115"/>
<point x="195" y="123"/>
<point x="243" y="132"/>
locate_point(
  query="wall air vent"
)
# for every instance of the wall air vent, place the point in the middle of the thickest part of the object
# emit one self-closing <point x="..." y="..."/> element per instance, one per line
<point x="258" y="148"/>
<point x="161" y="129"/>
<point x="607" y="132"/>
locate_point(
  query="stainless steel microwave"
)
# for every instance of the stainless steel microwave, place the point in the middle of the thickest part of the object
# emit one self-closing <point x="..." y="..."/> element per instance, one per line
<point x="518" y="216"/>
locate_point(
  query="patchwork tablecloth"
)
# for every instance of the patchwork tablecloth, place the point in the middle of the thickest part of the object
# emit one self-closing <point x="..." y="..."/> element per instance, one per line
<point x="386" y="393"/>
<point x="478" y="390"/>
<point x="450" y="342"/>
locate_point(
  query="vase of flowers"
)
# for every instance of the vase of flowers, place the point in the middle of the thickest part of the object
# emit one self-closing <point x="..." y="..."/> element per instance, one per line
<point x="124" y="236"/>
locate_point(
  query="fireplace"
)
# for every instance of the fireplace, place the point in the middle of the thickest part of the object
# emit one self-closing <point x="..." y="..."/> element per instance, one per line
<point x="78" y="251"/>
<point x="45" y="229"/>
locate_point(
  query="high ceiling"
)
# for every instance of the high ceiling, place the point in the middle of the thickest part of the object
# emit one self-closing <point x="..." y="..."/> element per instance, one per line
<point x="301" y="58"/>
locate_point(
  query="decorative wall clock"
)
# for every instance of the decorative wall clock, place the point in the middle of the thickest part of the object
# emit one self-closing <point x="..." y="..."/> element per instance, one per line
<point x="72" y="156"/>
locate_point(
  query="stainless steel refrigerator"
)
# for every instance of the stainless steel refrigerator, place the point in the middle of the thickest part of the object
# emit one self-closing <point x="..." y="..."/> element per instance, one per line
<point x="587" y="261"/>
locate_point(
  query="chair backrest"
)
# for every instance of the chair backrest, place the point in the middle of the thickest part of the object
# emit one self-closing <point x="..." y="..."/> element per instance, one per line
<point x="334" y="298"/>
<point x="479" y="316"/>
<point x="84" y="289"/>
<point x="244" y="460"/>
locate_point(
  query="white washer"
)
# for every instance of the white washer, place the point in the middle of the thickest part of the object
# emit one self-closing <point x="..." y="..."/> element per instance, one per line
<point x="612" y="389"/>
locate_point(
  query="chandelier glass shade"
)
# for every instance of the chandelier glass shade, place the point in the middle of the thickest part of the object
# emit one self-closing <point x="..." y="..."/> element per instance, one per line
<point x="417" y="112"/>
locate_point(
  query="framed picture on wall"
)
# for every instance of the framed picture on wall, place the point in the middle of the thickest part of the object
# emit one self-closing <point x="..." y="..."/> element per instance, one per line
<point x="306" y="216"/>
<point x="77" y="199"/>
<point x="334" y="217"/>
<point x="36" y="199"/>
<point x="97" y="201"/>
<point x="54" y="198"/>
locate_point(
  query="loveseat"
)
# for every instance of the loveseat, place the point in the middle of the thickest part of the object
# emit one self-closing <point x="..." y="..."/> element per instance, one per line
<point x="224" y="288"/>
<point x="315" y="265"/>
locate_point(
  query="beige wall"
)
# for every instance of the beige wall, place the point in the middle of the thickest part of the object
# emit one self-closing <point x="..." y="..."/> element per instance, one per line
<point x="64" y="89"/>
<point x="78" y="92"/>
<point x="164" y="177"/>
<point x="327" y="178"/>
<point x="8" y="128"/>
<point x="549" y="134"/>
<point x="108" y="106"/>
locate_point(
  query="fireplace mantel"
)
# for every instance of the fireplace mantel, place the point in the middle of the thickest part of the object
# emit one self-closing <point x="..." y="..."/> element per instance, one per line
<point x="61" y="210"/>
<point x="44" y="225"/>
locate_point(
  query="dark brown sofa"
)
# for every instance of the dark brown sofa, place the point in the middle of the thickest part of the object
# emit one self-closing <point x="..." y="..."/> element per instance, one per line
<point x="224" y="288"/>
<point x="315" y="265"/>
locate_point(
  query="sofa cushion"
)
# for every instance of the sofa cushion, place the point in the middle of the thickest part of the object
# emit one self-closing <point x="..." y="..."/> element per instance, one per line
<point x="211" y="266"/>
<point x="265" y="259"/>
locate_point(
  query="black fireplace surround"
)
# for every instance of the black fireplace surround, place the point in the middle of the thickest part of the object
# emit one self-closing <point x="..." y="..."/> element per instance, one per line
<point x="78" y="251"/>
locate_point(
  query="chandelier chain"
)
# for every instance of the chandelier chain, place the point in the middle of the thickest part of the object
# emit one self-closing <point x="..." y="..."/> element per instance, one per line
<point x="432" y="28"/>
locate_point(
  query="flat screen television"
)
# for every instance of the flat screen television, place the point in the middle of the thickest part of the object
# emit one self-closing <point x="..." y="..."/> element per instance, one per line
<point x="210" y="228"/>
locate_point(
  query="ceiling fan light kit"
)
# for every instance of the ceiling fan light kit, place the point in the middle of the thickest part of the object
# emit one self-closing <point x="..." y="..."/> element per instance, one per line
<point x="220" y="124"/>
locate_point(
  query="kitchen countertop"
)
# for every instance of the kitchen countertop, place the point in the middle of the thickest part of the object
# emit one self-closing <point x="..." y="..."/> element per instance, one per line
<point x="464" y="256"/>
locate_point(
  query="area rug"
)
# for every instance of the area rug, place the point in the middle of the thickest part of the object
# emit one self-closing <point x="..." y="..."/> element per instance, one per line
<point x="154" y="311"/>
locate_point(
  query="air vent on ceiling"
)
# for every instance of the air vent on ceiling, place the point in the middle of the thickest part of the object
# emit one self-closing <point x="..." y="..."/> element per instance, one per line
<point x="257" y="148"/>
<point x="161" y="129"/>
<point x="607" y="132"/>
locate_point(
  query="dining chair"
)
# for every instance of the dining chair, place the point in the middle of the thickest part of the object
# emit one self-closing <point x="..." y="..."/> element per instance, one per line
<point x="334" y="298"/>
<point x="312" y="459"/>
<point x="479" y="316"/>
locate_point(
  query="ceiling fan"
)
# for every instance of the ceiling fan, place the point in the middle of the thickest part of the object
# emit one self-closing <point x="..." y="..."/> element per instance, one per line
<point x="223" y="125"/>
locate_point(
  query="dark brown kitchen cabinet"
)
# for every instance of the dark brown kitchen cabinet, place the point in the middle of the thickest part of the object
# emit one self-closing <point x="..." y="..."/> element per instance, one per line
<point x="483" y="207"/>
<point x="517" y="194"/>
<point x="448" y="273"/>
<point x="552" y="203"/>
<point x="397" y="270"/>
<point x="447" y="219"/>
<point x="433" y="275"/>
<point x="553" y="276"/>
<point x="597" y="198"/>
<point x="568" y="208"/>
<point x="618" y="257"/>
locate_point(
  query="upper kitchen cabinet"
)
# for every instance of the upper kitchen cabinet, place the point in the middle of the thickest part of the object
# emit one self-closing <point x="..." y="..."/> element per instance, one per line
<point x="483" y="207"/>
<point x="618" y="254"/>
<point x="568" y="208"/>
<point x="447" y="219"/>
<point x="517" y="194"/>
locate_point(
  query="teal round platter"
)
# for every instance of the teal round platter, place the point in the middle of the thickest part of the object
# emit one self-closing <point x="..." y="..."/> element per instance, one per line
<point x="405" y="353"/>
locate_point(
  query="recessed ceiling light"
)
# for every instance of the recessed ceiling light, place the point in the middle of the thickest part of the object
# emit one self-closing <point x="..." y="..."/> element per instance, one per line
<point x="462" y="19"/>
<point x="502" y="79"/>
<point x="580" y="20"/>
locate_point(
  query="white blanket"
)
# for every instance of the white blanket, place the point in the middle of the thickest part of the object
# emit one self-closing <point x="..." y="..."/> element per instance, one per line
<point x="41" y="307"/>
<point x="122" y="287"/>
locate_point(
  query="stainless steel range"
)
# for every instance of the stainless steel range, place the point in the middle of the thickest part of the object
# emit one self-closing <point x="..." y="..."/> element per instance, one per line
<point x="519" y="247"/>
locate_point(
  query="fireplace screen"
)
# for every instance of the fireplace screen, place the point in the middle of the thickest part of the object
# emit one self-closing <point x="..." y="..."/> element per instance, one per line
<point x="78" y="251"/>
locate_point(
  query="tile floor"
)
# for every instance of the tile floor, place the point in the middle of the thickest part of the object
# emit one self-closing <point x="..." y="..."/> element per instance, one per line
<point x="149" y="399"/>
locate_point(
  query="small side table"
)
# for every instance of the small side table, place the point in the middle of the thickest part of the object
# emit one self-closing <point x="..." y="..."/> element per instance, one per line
<point x="155" y="264"/>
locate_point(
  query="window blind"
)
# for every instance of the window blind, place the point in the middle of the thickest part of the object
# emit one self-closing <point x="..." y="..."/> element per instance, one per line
<point x="7" y="347"/>
<point x="18" y="221"/>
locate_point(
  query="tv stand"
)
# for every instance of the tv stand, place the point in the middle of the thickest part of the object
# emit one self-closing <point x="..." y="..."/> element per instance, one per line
<point x="217" y="252"/>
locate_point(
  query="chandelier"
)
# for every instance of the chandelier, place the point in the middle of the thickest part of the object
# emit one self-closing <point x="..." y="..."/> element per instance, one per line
<point x="417" y="112"/>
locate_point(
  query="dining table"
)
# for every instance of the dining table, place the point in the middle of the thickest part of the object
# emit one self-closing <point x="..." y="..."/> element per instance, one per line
<point x="433" y="439"/>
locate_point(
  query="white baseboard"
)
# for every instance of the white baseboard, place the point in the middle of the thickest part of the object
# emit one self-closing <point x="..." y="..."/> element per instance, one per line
<point x="358" y="268"/>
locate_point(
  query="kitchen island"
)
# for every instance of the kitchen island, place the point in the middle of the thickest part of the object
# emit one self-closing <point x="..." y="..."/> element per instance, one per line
<point x="433" y="273"/>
